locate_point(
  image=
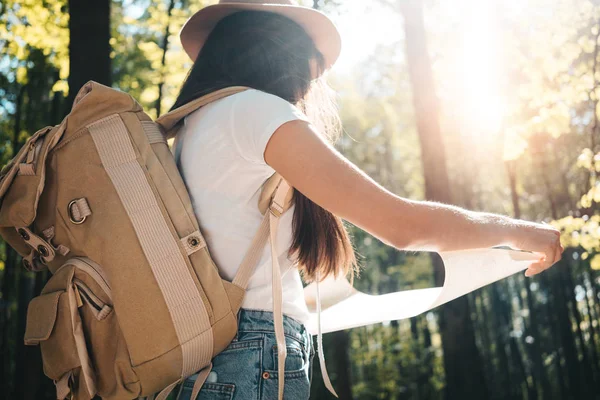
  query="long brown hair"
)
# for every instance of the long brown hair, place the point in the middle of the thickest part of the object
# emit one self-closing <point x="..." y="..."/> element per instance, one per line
<point x="271" y="53"/>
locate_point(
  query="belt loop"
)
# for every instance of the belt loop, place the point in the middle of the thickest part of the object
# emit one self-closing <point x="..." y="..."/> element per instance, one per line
<point x="239" y="318"/>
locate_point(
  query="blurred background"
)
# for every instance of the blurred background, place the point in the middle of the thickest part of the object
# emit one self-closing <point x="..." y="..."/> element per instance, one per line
<point x="492" y="105"/>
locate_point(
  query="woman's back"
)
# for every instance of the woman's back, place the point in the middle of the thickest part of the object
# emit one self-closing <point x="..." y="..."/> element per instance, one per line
<point x="220" y="154"/>
<point x="280" y="49"/>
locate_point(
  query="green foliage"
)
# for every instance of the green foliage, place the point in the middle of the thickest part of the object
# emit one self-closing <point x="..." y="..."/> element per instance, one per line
<point x="138" y="53"/>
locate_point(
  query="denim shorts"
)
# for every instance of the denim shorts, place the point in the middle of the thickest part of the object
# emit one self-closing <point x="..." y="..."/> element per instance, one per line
<point x="247" y="368"/>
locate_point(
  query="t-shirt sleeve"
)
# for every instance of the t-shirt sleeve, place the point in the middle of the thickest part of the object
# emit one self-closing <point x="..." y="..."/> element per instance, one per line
<point x="255" y="116"/>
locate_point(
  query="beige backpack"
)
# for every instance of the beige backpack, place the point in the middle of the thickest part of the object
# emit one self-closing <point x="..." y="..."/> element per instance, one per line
<point x="135" y="304"/>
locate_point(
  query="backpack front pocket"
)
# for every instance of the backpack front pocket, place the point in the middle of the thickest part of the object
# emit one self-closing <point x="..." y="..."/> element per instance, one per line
<point x="74" y="323"/>
<point x="53" y="322"/>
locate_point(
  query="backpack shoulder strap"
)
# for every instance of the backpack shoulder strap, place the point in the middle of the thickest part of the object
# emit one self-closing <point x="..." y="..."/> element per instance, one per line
<point x="268" y="230"/>
<point x="276" y="207"/>
<point x="170" y="120"/>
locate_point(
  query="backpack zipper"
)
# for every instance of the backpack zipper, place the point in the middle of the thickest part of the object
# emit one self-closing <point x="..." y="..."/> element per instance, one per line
<point x="91" y="298"/>
<point x="93" y="270"/>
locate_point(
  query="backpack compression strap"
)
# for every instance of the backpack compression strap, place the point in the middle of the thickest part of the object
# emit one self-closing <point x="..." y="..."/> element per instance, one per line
<point x="170" y="120"/>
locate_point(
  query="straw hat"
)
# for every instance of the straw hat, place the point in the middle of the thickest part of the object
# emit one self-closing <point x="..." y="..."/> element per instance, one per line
<point x="316" y="24"/>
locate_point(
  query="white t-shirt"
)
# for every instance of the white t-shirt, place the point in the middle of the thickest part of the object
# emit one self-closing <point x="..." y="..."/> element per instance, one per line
<point x="220" y="153"/>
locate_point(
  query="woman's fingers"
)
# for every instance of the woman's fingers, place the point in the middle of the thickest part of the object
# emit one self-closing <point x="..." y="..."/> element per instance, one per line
<point x="544" y="240"/>
<point x="551" y="256"/>
<point x="534" y="268"/>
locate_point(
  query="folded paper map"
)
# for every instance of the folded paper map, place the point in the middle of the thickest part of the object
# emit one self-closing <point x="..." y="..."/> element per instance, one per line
<point x="343" y="307"/>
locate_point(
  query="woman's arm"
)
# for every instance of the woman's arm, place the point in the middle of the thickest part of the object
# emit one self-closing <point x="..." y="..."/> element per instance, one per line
<point x="321" y="173"/>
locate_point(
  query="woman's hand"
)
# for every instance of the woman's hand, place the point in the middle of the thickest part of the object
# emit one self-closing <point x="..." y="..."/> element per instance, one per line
<point x="539" y="238"/>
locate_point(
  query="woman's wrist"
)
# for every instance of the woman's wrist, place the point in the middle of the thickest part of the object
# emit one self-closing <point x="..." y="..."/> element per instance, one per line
<point x="502" y="230"/>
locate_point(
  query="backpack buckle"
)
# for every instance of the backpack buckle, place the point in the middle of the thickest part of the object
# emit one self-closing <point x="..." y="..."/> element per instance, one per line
<point x="275" y="209"/>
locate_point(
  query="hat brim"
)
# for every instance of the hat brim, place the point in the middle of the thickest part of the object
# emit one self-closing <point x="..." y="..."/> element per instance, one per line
<point x="317" y="25"/>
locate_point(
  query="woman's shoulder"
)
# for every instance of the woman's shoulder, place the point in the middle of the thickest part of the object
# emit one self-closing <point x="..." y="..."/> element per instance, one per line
<point x="254" y="95"/>
<point x="262" y="104"/>
<point x="248" y="100"/>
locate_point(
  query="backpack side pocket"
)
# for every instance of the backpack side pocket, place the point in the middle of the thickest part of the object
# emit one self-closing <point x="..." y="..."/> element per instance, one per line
<point x="54" y="323"/>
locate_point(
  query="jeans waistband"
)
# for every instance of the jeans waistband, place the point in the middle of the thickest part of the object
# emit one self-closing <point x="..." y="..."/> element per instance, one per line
<point x="261" y="320"/>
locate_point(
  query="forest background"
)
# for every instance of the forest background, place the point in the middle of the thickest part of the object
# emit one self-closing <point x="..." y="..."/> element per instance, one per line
<point x="490" y="105"/>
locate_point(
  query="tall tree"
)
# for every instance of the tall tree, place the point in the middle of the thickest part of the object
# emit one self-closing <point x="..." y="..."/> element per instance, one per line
<point x="164" y="47"/>
<point x="462" y="362"/>
<point x="89" y="46"/>
<point x="535" y="353"/>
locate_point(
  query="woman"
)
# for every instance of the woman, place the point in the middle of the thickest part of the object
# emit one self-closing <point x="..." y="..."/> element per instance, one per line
<point x="286" y="124"/>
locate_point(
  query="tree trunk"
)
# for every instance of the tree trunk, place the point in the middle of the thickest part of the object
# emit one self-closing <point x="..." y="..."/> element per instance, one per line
<point x="9" y="275"/>
<point x="518" y="364"/>
<point x="588" y="366"/>
<point x="484" y="326"/>
<point x="505" y="386"/>
<point x="425" y="378"/>
<point x="89" y="47"/>
<point x="591" y="317"/>
<point x="563" y="326"/>
<point x="462" y="363"/>
<point x="343" y="382"/>
<point x="164" y="47"/>
<point x="562" y="287"/>
<point x="556" y="341"/>
<point x="535" y="352"/>
<point x="29" y="372"/>
<point x="595" y="285"/>
<point x="55" y="110"/>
